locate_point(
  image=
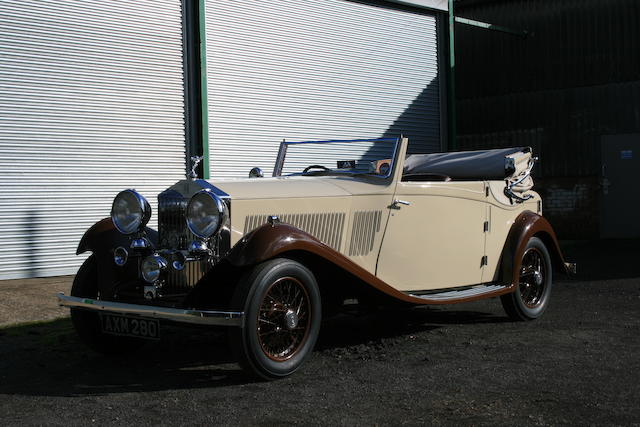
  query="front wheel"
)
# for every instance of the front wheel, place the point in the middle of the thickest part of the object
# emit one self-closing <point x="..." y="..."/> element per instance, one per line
<point x="531" y="297"/>
<point x="282" y="312"/>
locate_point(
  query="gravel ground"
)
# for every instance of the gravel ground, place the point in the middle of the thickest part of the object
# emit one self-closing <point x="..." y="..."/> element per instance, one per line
<point x="464" y="364"/>
<point x="30" y="300"/>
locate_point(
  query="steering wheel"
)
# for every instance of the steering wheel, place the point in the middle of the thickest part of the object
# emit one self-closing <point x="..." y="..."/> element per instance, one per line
<point x="305" y="170"/>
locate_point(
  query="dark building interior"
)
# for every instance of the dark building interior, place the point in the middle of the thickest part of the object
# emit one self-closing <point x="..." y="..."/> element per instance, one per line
<point x="564" y="80"/>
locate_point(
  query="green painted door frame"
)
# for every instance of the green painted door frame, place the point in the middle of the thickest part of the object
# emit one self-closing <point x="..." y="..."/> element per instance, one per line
<point x="451" y="83"/>
<point x="203" y="90"/>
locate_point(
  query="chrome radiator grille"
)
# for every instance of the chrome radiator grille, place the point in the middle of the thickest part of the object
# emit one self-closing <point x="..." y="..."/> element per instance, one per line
<point x="193" y="271"/>
<point x="172" y="228"/>
<point x="174" y="235"/>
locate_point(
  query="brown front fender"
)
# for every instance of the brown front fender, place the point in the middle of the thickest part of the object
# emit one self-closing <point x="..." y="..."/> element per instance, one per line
<point x="527" y="225"/>
<point x="103" y="236"/>
<point x="101" y="239"/>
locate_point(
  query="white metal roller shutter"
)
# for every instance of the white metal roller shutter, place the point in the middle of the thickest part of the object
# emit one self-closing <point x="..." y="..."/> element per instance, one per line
<point x="91" y="103"/>
<point x="316" y="70"/>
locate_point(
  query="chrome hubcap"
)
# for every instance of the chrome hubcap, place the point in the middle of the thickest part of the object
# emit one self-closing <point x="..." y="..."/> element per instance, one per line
<point x="291" y="319"/>
<point x="537" y="278"/>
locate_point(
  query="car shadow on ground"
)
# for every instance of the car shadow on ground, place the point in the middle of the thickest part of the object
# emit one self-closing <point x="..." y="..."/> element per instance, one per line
<point x="352" y="330"/>
<point x="47" y="359"/>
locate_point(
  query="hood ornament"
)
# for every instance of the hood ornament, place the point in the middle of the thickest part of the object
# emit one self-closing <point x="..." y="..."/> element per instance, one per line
<point x="196" y="161"/>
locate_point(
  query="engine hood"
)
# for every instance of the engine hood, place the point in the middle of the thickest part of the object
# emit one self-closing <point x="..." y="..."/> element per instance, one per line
<point x="280" y="188"/>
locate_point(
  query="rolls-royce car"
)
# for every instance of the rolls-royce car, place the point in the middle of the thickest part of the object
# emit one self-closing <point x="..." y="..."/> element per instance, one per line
<point x="340" y="223"/>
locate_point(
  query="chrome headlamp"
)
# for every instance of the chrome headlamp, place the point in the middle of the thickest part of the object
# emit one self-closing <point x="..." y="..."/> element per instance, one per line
<point x="120" y="256"/>
<point x="206" y="214"/>
<point x="130" y="212"/>
<point x="151" y="267"/>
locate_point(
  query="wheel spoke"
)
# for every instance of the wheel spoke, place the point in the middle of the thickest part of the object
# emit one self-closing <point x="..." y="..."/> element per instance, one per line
<point x="283" y="320"/>
<point x="524" y="291"/>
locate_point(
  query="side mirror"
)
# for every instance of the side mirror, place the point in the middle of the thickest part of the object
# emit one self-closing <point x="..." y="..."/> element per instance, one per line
<point x="256" y="173"/>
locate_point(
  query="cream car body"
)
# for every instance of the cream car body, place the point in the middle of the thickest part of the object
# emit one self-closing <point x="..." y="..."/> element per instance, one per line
<point x="448" y="235"/>
<point x="269" y="257"/>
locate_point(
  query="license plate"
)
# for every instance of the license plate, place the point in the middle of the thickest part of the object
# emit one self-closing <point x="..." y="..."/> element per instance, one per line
<point x="130" y="326"/>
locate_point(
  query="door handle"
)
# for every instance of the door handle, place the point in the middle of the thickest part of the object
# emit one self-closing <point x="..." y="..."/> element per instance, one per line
<point x="396" y="204"/>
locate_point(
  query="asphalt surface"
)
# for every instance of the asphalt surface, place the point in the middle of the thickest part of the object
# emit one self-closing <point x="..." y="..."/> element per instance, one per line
<point x="465" y="364"/>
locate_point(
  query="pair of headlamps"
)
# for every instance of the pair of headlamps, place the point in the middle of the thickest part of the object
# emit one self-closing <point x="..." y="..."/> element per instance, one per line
<point x="205" y="215"/>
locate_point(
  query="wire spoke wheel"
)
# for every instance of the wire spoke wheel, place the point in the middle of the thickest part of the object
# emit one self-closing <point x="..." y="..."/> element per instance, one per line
<point x="282" y="305"/>
<point x="530" y="297"/>
<point x="283" y="319"/>
<point x="532" y="278"/>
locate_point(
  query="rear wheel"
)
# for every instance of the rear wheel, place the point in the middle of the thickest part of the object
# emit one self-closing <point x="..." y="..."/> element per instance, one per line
<point x="87" y="323"/>
<point x="281" y="304"/>
<point x="531" y="297"/>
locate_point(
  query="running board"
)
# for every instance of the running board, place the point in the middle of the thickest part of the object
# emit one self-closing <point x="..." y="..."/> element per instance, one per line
<point x="462" y="294"/>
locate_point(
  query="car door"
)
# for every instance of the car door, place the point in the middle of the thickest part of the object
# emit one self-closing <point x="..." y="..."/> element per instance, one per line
<point x="435" y="236"/>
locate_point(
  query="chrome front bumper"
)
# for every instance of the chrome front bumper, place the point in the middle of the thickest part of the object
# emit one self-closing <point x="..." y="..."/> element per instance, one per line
<point x="199" y="317"/>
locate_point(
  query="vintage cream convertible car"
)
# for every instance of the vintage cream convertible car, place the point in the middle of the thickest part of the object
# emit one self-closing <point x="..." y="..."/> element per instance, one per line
<point x="339" y="222"/>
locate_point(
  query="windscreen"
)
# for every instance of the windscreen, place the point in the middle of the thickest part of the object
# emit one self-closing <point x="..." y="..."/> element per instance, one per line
<point x="354" y="157"/>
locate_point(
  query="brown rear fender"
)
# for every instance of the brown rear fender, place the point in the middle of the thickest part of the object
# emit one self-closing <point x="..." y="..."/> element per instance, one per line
<point x="527" y="225"/>
<point x="270" y="241"/>
<point x="103" y="236"/>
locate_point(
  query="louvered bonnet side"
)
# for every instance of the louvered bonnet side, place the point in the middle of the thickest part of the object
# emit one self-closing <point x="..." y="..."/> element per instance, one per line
<point x="326" y="226"/>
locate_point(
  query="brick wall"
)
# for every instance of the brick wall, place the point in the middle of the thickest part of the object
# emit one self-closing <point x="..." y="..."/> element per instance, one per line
<point x="571" y="204"/>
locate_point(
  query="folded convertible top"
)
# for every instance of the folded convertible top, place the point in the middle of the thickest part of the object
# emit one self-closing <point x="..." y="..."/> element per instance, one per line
<point x="496" y="164"/>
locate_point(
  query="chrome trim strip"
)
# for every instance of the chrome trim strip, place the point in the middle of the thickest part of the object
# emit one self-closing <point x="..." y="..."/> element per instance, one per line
<point x="458" y="294"/>
<point x="199" y="317"/>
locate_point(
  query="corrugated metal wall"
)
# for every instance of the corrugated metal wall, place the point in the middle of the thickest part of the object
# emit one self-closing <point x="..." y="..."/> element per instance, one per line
<point x="91" y="103"/>
<point x="316" y="70"/>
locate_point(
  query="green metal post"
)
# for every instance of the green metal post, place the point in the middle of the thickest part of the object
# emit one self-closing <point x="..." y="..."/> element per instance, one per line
<point x="203" y="90"/>
<point x="453" y="144"/>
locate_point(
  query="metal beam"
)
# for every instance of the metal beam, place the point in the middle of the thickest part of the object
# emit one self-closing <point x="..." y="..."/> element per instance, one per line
<point x="493" y="27"/>
<point x="425" y="4"/>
